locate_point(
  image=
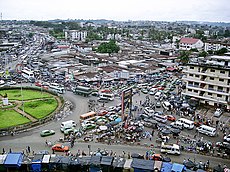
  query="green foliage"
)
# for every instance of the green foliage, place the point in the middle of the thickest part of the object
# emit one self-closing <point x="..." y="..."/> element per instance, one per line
<point x="40" y="108"/>
<point x="222" y="51"/>
<point x="194" y="50"/>
<point x="203" y="54"/>
<point x="108" y="47"/>
<point x="184" y="56"/>
<point x="93" y="36"/>
<point x="11" y="118"/>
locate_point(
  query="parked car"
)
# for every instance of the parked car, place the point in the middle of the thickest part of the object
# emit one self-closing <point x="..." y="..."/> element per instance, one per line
<point x="45" y="133"/>
<point x="227" y="138"/>
<point x="218" y="112"/>
<point x="60" y="148"/>
<point x="171" y="118"/>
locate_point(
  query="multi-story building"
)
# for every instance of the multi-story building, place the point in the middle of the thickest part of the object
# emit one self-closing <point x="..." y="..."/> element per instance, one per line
<point x="208" y="80"/>
<point x="75" y="35"/>
<point x="189" y="43"/>
<point x="215" y="45"/>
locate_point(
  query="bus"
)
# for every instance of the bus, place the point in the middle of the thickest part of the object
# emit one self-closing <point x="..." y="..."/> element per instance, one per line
<point x="27" y="74"/>
<point x="82" y="90"/>
<point x="108" y="96"/>
<point x="170" y="148"/>
<point x="57" y="88"/>
<point x="88" y="116"/>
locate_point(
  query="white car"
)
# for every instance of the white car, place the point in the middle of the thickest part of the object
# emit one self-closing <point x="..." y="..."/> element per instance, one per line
<point x="227" y="138"/>
<point x="218" y="112"/>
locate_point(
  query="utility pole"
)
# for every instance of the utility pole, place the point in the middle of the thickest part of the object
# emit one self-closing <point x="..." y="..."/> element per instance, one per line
<point x="1" y="16"/>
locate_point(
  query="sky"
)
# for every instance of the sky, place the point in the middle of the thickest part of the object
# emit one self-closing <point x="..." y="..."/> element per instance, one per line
<point x="119" y="10"/>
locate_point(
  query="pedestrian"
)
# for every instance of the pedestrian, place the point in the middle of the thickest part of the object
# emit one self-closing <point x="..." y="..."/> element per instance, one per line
<point x="28" y="149"/>
<point x="129" y="156"/>
<point x="46" y="142"/>
<point x="3" y="150"/>
<point x="10" y="150"/>
<point x="153" y="132"/>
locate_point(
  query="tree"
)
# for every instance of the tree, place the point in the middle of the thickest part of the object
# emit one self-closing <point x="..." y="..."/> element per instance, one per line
<point x="222" y="51"/>
<point x="203" y="54"/>
<point x="184" y="56"/>
<point x="108" y="47"/>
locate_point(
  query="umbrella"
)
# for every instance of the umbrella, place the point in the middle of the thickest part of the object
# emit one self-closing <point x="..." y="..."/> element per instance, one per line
<point x="103" y="128"/>
<point x="218" y="169"/>
<point x="98" y="154"/>
<point x="118" y="120"/>
<point x="113" y="123"/>
<point x="165" y="131"/>
<point x="135" y="155"/>
<point x="176" y="131"/>
<point x="166" y="159"/>
<point x="189" y="164"/>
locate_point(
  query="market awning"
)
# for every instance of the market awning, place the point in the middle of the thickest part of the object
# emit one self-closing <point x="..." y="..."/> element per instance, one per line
<point x="13" y="160"/>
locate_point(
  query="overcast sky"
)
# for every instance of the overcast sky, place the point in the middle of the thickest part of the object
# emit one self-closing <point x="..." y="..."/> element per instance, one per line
<point x="121" y="10"/>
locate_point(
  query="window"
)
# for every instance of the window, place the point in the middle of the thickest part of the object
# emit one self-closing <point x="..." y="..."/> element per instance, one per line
<point x="195" y="91"/>
<point x="190" y="74"/>
<point x="210" y="87"/>
<point x="190" y="83"/>
<point x="218" y="95"/>
<point x="222" y="71"/>
<point x="191" y="67"/>
<point x="197" y="76"/>
<point x="220" y="88"/>
<point x="190" y="90"/>
<point x="212" y="70"/>
<point x="221" y="80"/>
<point x="211" y="78"/>
<point x="210" y="94"/>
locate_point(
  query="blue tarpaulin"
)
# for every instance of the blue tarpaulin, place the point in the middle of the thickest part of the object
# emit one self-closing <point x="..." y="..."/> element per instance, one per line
<point x="177" y="167"/>
<point x="13" y="160"/>
<point x="166" y="167"/>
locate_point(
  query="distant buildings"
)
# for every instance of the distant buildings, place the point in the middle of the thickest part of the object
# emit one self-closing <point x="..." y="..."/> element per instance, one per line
<point x="75" y="35"/>
<point x="208" y="80"/>
<point x="215" y="45"/>
<point x="190" y="43"/>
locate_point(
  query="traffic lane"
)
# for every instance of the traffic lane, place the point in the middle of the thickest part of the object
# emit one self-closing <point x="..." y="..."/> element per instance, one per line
<point x="20" y="144"/>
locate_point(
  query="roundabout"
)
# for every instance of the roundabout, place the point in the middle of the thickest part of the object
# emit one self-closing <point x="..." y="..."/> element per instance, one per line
<point x="24" y="108"/>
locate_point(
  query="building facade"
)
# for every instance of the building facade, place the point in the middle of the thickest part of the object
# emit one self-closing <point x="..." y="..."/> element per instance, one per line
<point x="75" y="35"/>
<point x="190" y="43"/>
<point x="208" y="81"/>
<point x="215" y="46"/>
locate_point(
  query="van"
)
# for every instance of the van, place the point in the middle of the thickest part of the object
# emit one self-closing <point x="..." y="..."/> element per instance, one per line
<point x="204" y="129"/>
<point x="159" y="118"/>
<point x="67" y="124"/>
<point x="166" y="105"/>
<point x="185" y="123"/>
<point x="157" y="95"/>
<point x="170" y="148"/>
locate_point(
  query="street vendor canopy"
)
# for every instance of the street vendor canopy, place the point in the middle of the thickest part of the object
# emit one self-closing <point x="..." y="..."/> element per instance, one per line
<point x="177" y="167"/>
<point x="142" y="164"/>
<point x="13" y="160"/>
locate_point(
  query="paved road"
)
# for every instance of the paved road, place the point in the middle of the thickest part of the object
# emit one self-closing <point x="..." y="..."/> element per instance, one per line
<point x="32" y="138"/>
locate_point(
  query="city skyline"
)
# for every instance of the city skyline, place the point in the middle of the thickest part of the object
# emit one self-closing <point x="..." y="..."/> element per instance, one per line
<point x="164" y="10"/>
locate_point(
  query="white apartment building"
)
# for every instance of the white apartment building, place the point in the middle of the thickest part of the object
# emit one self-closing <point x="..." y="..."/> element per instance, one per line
<point x="208" y="81"/>
<point x="75" y="35"/>
<point x="215" y="46"/>
<point x="189" y="43"/>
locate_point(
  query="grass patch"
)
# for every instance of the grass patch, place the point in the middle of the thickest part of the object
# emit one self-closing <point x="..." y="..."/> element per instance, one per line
<point x="11" y="118"/>
<point x="40" y="108"/>
<point x="15" y="94"/>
